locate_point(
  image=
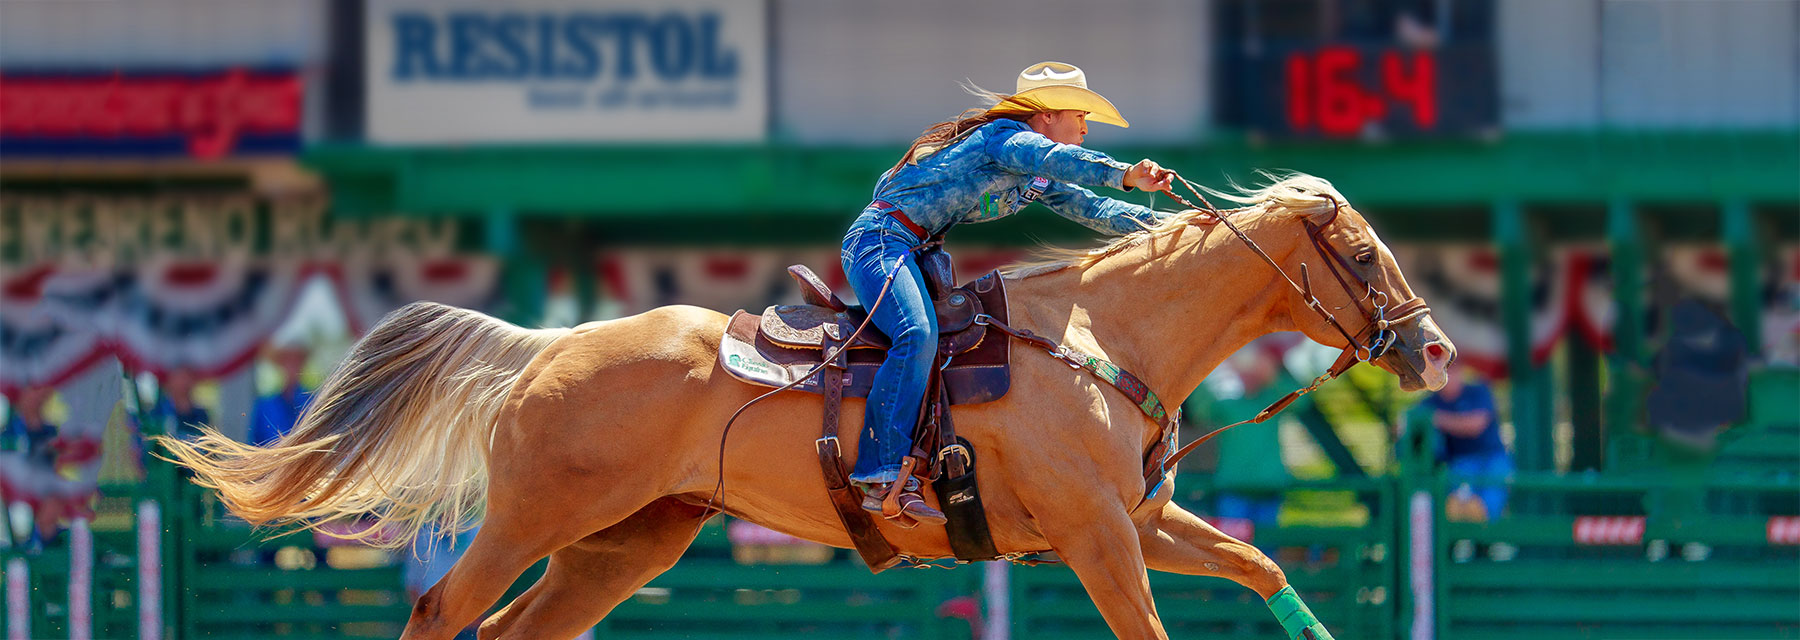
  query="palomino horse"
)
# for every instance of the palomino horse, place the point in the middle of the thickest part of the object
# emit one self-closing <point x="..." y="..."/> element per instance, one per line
<point x="600" y="445"/>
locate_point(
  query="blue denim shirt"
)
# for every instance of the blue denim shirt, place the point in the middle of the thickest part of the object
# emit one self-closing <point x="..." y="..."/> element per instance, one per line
<point x="999" y="168"/>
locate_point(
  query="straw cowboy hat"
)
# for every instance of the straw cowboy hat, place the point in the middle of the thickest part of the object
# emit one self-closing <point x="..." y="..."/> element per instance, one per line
<point x="1055" y="86"/>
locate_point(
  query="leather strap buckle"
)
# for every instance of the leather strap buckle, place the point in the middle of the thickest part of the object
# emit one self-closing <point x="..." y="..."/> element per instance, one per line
<point x="958" y="449"/>
<point x="835" y="445"/>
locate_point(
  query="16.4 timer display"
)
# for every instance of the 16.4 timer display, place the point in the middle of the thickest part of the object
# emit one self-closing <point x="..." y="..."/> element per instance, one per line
<point x="1349" y="91"/>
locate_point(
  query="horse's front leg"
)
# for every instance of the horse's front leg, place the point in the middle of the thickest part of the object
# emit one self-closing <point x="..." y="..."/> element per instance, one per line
<point x="1097" y="541"/>
<point x="1177" y="541"/>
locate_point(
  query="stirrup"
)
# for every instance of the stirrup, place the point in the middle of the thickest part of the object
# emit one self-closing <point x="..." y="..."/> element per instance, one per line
<point x="903" y="499"/>
<point x="873" y="496"/>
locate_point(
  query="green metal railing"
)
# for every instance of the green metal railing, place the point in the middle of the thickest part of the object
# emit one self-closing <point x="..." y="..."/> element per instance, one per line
<point x="1346" y="574"/>
<point x="1603" y="557"/>
<point x="710" y="594"/>
<point x="1660" y="558"/>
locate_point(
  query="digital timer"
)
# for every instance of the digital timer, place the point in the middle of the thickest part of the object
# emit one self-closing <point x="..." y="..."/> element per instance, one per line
<point x="1324" y="91"/>
<point x="1350" y="91"/>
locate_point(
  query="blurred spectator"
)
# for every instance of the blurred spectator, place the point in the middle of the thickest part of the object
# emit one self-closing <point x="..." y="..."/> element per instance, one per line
<point x="276" y="413"/>
<point x="32" y="486"/>
<point x="178" y="404"/>
<point x="1464" y="413"/>
<point x="1702" y="377"/>
<point x="27" y="429"/>
<point x="1250" y="473"/>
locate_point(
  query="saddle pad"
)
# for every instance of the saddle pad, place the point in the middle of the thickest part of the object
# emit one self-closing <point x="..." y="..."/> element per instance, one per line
<point x="978" y="375"/>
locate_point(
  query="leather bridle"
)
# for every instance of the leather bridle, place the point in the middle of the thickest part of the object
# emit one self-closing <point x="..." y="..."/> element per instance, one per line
<point x="1373" y="341"/>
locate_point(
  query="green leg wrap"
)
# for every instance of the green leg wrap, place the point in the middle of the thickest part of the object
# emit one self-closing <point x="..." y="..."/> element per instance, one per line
<point x="1295" y="618"/>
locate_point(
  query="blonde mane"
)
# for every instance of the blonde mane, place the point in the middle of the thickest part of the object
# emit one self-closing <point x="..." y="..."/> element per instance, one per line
<point x="1283" y="194"/>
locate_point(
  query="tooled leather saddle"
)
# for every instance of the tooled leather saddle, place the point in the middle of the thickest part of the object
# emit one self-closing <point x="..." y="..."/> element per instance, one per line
<point x="786" y="342"/>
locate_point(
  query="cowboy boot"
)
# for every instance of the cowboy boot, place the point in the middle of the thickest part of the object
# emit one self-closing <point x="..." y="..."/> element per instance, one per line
<point x="903" y="498"/>
<point x="875" y="494"/>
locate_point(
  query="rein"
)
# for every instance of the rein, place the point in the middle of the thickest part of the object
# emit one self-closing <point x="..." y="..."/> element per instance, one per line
<point x="1379" y="335"/>
<point x="1372" y="342"/>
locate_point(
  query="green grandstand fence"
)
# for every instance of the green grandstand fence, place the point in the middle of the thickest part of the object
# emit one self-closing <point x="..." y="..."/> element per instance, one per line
<point x="711" y="594"/>
<point x="84" y="585"/>
<point x="228" y="588"/>
<point x="1603" y="557"/>
<point x="1345" y="572"/>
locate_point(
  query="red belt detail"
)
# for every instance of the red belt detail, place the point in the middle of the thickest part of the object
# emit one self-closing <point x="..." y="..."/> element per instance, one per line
<point x="900" y="215"/>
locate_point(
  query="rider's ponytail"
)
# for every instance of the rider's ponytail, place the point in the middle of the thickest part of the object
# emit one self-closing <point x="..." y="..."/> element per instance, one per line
<point x="940" y="135"/>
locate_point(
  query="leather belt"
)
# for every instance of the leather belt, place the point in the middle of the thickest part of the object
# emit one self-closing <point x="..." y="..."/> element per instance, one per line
<point x="900" y="215"/>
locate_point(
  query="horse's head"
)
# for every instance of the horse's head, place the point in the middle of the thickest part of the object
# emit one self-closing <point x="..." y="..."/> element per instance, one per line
<point x="1345" y="265"/>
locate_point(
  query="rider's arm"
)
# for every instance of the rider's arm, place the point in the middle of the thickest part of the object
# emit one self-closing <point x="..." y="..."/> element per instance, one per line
<point x="1100" y="213"/>
<point x="1023" y="151"/>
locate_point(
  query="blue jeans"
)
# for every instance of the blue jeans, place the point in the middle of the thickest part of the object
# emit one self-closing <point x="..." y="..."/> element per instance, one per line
<point x="875" y="246"/>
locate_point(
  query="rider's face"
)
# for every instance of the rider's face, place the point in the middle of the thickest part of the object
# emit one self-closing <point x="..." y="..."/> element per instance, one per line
<point x="1067" y="126"/>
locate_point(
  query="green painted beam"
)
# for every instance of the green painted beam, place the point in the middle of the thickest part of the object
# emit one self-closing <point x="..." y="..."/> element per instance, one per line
<point x="701" y="182"/>
<point x="1514" y="240"/>
<point x="1744" y="246"/>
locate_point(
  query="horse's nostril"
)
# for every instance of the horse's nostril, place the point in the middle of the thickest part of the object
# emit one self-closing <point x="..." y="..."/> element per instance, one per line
<point x="1436" y="351"/>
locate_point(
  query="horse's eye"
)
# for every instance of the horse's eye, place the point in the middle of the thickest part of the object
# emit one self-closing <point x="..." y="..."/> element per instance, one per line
<point x="1366" y="258"/>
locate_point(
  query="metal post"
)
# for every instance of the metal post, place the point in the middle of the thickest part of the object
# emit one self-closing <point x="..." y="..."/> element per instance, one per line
<point x="1421" y="559"/>
<point x="18" y="599"/>
<point x="81" y="580"/>
<point x="150" y="578"/>
<point x="1583" y="393"/>
<point x="1625" y="239"/>
<point x="1531" y="426"/>
<point x="1745" y="251"/>
<point x="996" y="589"/>
<point x="523" y="275"/>
<point x="1627" y="377"/>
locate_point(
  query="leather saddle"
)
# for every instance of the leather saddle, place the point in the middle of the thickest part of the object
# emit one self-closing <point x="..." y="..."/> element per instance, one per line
<point x="788" y="342"/>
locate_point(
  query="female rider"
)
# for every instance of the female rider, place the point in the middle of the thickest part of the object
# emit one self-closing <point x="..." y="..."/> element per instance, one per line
<point x="982" y="166"/>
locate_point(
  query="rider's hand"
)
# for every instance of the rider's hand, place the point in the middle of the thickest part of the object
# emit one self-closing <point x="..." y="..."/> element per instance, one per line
<point x="1146" y="175"/>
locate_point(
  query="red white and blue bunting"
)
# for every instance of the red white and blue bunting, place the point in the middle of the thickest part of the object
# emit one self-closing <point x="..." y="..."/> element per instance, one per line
<point x="200" y="283"/>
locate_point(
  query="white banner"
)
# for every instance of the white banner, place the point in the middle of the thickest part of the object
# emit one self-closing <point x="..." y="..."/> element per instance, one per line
<point x="454" y="71"/>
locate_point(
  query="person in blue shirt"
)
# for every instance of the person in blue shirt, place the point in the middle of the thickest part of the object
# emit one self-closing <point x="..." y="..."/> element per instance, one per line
<point x="177" y="407"/>
<point x="27" y="430"/>
<point x="1465" y="414"/>
<point x="275" y="414"/>
<point x="985" y="165"/>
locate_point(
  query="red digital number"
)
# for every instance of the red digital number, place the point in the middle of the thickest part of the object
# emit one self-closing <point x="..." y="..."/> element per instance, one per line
<point x="1416" y="88"/>
<point x="1340" y="99"/>
<point x="1299" y="99"/>
<point x="1322" y="91"/>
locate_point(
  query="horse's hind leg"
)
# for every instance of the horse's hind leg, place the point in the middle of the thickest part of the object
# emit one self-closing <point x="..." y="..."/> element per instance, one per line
<point x="587" y="579"/>
<point x="1176" y="541"/>
<point x="533" y="509"/>
<point x="479" y="577"/>
<point x="1180" y="542"/>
